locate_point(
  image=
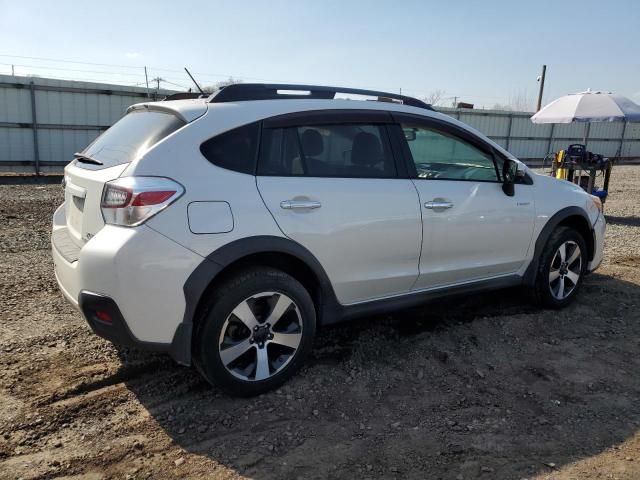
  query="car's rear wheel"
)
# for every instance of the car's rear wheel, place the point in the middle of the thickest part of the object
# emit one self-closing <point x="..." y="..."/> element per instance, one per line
<point x="256" y="332"/>
<point x="561" y="268"/>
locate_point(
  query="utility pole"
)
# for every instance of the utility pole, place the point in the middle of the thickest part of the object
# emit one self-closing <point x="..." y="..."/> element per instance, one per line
<point x="13" y="71"/>
<point x="157" y="92"/>
<point x="146" y="78"/>
<point x="157" y="80"/>
<point x="455" y="102"/>
<point x="541" y="80"/>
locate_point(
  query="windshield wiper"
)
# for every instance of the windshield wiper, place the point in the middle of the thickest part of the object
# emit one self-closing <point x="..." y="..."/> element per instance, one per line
<point x="86" y="159"/>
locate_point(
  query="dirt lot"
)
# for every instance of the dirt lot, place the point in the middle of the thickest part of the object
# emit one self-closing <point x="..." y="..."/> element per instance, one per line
<point x="484" y="387"/>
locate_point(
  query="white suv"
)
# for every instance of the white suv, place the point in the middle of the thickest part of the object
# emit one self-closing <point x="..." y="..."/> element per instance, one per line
<point x="225" y="230"/>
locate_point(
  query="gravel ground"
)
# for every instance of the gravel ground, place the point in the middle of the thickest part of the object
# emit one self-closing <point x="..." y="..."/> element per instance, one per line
<point x="480" y="387"/>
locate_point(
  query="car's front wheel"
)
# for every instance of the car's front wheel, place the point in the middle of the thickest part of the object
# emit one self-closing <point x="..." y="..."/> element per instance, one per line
<point x="256" y="332"/>
<point x="561" y="268"/>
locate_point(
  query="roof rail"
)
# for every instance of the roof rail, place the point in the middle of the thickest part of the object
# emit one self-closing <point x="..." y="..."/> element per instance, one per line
<point x="238" y="92"/>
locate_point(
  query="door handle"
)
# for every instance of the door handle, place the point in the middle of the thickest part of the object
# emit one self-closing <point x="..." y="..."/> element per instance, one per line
<point x="433" y="205"/>
<point x="299" y="204"/>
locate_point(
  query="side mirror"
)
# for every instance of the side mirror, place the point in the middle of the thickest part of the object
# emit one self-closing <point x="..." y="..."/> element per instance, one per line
<point x="410" y="134"/>
<point x="509" y="174"/>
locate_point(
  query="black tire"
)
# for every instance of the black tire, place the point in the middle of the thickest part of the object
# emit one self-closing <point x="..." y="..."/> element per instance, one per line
<point x="260" y="289"/>
<point x="546" y="292"/>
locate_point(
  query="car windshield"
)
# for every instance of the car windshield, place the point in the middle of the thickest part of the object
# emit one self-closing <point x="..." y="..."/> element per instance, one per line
<point x="133" y="134"/>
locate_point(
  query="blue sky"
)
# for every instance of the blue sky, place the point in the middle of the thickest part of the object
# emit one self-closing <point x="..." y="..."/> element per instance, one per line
<point x="484" y="52"/>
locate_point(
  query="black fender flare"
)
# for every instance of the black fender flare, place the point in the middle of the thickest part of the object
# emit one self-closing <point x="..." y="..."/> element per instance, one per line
<point x="214" y="263"/>
<point x="545" y="233"/>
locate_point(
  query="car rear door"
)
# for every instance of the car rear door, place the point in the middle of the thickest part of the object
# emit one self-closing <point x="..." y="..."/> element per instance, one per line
<point x="471" y="229"/>
<point x="332" y="184"/>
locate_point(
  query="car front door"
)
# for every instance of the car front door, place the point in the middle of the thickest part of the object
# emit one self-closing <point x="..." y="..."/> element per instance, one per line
<point x="331" y="182"/>
<point x="471" y="229"/>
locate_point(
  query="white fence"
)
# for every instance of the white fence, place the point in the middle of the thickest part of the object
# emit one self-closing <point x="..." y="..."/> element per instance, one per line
<point x="44" y="121"/>
<point x="531" y="142"/>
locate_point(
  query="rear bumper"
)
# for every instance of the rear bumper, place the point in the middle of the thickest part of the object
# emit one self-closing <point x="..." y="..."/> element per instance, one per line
<point x="139" y="275"/>
<point x="105" y="319"/>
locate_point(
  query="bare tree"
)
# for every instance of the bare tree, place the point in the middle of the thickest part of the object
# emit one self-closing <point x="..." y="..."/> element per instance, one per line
<point x="499" y="106"/>
<point x="218" y="85"/>
<point x="520" y="102"/>
<point x="434" y="97"/>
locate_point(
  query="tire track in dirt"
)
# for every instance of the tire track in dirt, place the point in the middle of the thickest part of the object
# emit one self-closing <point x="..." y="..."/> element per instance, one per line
<point x="479" y="387"/>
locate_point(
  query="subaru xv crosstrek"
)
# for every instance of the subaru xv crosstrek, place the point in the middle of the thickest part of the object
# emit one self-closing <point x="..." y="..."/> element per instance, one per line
<point x="225" y="230"/>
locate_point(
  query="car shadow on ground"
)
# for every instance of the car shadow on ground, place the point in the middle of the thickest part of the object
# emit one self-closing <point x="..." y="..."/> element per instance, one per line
<point x="484" y="385"/>
<point x="624" y="221"/>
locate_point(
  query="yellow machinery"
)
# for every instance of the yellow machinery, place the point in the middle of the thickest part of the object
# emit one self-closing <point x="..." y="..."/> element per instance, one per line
<point x="561" y="172"/>
<point x="577" y="165"/>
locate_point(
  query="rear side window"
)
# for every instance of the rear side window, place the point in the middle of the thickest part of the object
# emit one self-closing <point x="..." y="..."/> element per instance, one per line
<point x="128" y="137"/>
<point x="234" y="150"/>
<point x="346" y="150"/>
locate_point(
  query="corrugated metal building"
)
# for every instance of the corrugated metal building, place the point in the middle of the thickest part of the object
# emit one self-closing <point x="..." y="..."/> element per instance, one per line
<point x="68" y="116"/>
<point x="65" y="116"/>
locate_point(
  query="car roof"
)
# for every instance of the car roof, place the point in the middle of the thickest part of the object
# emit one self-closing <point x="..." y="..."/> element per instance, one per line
<point x="246" y="111"/>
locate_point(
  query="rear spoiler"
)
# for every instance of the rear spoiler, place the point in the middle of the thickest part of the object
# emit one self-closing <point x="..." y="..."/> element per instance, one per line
<point x="187" y="113"/>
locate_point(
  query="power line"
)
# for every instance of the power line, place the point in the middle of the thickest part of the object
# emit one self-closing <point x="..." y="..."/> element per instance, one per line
<point x="161" y="69"/>
<point x="41" y="68"/>
<point x="72" y="69"/>
<point x="174" y="84"/>
<point x="208" y="78"/>
<point x="110" y="77"/>
<point x="68" y="61"/>
<point x="82" y="79"/>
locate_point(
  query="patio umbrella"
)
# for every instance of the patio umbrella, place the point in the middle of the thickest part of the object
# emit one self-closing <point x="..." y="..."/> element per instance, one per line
<point x="589" y="107"/>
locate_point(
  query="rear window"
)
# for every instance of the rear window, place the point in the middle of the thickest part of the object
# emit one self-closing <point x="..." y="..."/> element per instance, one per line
<point x="131" y="135"/>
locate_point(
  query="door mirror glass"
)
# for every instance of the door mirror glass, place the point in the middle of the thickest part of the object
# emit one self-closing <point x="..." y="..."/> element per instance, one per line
<point x="509" y="174"/>
<point x="410" y="134"/>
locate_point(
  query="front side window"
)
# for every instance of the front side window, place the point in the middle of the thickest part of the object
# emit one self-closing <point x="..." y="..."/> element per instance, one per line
<point x="346" y="150"/>
<point x="441" y="156"/>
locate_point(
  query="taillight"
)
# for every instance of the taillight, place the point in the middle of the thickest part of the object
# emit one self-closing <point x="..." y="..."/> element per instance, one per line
<point x="152" y="198"/>
<point x="115" y="197"/>
<point x="131" y="201"/>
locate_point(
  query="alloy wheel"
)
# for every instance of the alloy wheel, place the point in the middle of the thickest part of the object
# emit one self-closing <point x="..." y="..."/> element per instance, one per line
<point x="260" y="336"/>
<point x="565" y="271"/>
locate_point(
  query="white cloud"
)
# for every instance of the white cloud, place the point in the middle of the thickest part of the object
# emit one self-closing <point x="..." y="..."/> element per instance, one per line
<point x="132" y="55"/>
